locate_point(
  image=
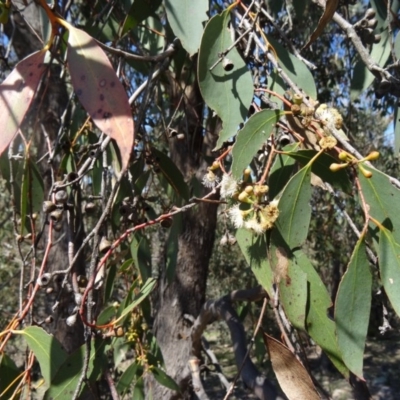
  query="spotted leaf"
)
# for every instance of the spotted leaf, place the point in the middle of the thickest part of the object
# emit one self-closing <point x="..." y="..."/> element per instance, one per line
<point x="100" y="91"/>
<point x="16" y="94"/>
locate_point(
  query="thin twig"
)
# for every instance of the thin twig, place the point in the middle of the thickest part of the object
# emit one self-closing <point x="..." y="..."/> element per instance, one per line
<point x="285" y="39"/>
<point x="130" y="56"/>
<point x="223" y="54"/>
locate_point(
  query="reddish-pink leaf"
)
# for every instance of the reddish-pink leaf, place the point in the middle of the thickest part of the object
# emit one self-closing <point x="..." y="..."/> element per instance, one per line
<point x="16" y="94"/>
<point x="100" y="91"/>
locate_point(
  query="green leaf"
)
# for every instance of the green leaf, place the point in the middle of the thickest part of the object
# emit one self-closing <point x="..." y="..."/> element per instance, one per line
<point x="361" y="80"/>
<point x="136" y="169"/>
<point x="32" y="195"/>
<point x="138" y="12"/>
<point x="362" y="77"/>
<point x="150" y="39"/>
<point x="24" y="195"/>
<point x="281" y="171"/>
<point x="127" y="378"/>
<point x="16" y="94"/>
<point x="48" y="351"/>
<point x="100" y="91"/>
<point x="228" y="93"/>
<point x="352" y="309"/>
<point x="396" y="131"/>
<point x="295" y="68"/>
<point x="300" y="7"/>
<point x="389" y="266"/>
<point x="381" y="11"/>
<point x="110" y="279"/>
<point x="138" y="390"/>
<point x="141" y="255"/>
<point x="66" y="380"/>
<point x="36" y="187"/>
<point x="250" y="139"/>
<point x="186" y="18"/>
<point x="320" y="166"/>
<point x="164" y="379"/>
<point x="294" y="209"/>
<point x="8" y="373"/>
<point x="383" y="200"/>
<point x="106" y="315"/>
<point x="254" y="249"/>
<point x="396" y="46"/>
<point x="292" y="280"/>
<point x="144" y="292"/>
<point x="4" y="12"/>
<point x="108" y="31"/>
<point x="319" y="326"/>
<point x="171" y="173"/>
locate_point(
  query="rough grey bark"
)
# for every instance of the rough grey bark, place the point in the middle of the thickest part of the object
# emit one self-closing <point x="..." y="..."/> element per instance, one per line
<point x="177" y="303"/>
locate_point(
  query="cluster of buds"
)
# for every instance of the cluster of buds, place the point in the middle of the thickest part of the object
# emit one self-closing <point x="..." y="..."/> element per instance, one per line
<point x="300" y="109"/>
<point x="351" y="160"/>
<point x="329" y="116"/>
<point x="132" y="209"/>
<point x="251" y="210"/>
<point x="257" y="218"/>
<point x="365" y="28"/>
<point x="330" y="120"/>
<point x="55" y="207"/>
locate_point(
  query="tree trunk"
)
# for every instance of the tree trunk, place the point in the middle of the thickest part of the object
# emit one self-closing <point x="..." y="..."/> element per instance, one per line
<point x="177" y="303"/>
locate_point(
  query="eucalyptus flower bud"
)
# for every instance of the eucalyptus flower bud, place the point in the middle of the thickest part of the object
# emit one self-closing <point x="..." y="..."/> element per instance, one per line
<point x="56" y="215"/>
<point x="48" y="206"/>
<point x="44" y="280"/>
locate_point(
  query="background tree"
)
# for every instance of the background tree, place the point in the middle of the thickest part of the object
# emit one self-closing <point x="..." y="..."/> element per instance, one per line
<point x="133" y="131"/>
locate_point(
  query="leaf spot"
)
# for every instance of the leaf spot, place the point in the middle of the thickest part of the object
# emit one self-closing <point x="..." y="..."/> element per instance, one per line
<point x="79" y="92"/>
<point x="100" y="110"/>
<point x="101" y="97"/>
<point x="107" y="115"/>
<point x="83" y="77"/>
<point x="103" y="83"/>
<point x="21" y="84"/>
<point x="112" y="84"/>
<point x="282" y="264"/>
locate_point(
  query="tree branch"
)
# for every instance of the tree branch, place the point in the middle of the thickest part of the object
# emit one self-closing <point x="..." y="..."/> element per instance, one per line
<point x="222" y="309"/>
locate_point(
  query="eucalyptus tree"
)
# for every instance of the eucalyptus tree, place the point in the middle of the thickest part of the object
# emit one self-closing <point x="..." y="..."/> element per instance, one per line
<point x="128" y="126"/>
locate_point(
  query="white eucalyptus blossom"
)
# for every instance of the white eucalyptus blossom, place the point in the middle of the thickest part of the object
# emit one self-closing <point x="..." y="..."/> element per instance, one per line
<point x="254" y="226"/>
<point x="228" y="186"/>
<point x="236" y="216"/>
<point x="210" y="180"/>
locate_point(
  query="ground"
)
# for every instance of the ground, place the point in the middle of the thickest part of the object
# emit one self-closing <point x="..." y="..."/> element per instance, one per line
<point x="382" y="370"/>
